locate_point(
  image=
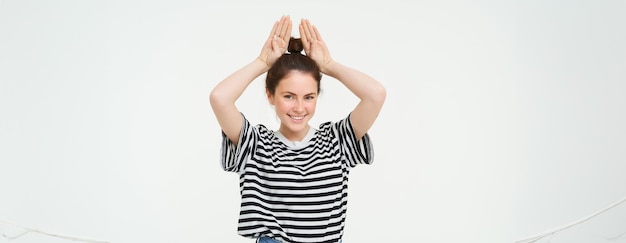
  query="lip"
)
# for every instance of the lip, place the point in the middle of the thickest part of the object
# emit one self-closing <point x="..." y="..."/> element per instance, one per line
<point x="297" y="118"/>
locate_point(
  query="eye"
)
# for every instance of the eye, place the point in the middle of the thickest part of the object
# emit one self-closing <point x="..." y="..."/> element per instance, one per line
<point x="288" y="97"/>
<point x="309" y="97"/>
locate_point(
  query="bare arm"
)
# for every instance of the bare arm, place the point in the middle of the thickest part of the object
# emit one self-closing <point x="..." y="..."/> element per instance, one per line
<point x="225" y="93"/>
<point x="371" y="93"/>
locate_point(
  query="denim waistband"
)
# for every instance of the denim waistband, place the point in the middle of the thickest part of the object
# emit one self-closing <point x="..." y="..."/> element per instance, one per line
<point x="264" y="239"/>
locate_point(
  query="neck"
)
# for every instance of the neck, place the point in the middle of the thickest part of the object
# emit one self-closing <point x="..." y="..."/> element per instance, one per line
<point x="294" y="136"/>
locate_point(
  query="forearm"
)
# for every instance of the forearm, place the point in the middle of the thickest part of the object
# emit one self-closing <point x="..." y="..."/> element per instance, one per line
<point x="231" y="88"/>
<point x="362" y="85"/>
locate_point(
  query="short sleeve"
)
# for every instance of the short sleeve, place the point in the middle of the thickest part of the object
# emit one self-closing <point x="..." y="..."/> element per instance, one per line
<point x="354" y="151"/>
<point x="234" y="156"/>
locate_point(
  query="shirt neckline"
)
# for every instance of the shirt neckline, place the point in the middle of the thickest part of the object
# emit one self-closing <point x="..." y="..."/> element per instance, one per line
<point x="296" y="144"/>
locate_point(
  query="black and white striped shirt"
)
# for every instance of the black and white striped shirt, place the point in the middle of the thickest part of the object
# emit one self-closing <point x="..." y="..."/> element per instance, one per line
<point x="295" y="194"/>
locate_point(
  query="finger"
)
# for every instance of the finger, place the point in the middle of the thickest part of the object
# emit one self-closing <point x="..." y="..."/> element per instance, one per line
<point x="275" y="45"/>
<point x="301" y="30"/>
<point x="287" y="32"/>
<point x="278" y="27"/>
<point x="304" y="38"/>
<point x="273" y="32"/>
<point x="285" y="26"/>
<point x="307" y="29"/>
<point x="313" y="31"/>
<point x="317" y="34"/>
<point x="284" y="22"/>
<point x="278" y="46"/>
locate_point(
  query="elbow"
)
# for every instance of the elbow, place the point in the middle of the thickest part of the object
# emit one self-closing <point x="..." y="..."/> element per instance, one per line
<point x="376" y="97"/>
<point x="380" y="95"/>
<point x="213" y="97"/>
<point x="216" y="99"/>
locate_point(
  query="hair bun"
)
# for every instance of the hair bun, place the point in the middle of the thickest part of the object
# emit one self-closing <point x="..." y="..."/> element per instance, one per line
<point x="295" y="45"/>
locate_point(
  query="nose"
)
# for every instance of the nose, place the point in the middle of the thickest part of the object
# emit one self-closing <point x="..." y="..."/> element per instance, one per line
<point x="299" y="106"/>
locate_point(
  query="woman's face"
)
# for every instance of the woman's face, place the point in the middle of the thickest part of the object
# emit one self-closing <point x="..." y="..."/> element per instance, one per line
<point x="294" y="100"/>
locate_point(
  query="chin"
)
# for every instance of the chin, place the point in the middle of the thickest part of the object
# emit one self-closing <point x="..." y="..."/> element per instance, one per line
<point x="295" y="127"/>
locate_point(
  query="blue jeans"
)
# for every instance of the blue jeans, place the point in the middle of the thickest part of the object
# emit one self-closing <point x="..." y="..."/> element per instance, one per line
<point x="264" y="239"/>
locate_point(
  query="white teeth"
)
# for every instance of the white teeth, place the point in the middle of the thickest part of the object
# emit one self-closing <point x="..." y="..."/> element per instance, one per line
<point x="297" y="117"/>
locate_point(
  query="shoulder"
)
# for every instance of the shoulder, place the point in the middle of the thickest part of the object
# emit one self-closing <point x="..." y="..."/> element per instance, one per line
<point x="330" y="127"/>
<point x="326" y="128"/>
<point x="259" y="130"/>
<point x="325" y="125"/>
<point x="264" y="132"/>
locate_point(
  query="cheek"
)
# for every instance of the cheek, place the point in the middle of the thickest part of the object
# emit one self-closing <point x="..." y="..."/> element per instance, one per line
<point x="311" y="105"/>
<point x="282" y="106"/>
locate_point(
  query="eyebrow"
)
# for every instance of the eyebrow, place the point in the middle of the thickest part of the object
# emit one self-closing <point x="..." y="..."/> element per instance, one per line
<point x="291" y="93"/>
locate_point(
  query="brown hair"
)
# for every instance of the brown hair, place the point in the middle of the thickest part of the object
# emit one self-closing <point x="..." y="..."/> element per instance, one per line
<point x="293" y="60"/>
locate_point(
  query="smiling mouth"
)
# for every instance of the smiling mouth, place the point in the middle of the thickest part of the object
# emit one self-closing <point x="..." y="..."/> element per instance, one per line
<point x="296" y="117"/>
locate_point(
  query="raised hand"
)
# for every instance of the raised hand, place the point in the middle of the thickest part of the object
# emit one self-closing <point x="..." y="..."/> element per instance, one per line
<point x="276" y="43"/>
<point x="314" y="45"/>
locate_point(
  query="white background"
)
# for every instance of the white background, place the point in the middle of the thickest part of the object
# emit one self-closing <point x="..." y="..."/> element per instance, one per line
<point x="503" y="118"/>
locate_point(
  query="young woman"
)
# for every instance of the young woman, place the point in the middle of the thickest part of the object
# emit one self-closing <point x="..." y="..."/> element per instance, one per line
<point x="293" y="181"/>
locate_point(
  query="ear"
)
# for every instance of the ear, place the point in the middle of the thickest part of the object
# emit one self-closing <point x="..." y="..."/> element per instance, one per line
<point x="270" y="97"/>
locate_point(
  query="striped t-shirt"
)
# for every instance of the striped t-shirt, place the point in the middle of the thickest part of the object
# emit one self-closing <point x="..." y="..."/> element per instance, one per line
<point x="295" y="194"/>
